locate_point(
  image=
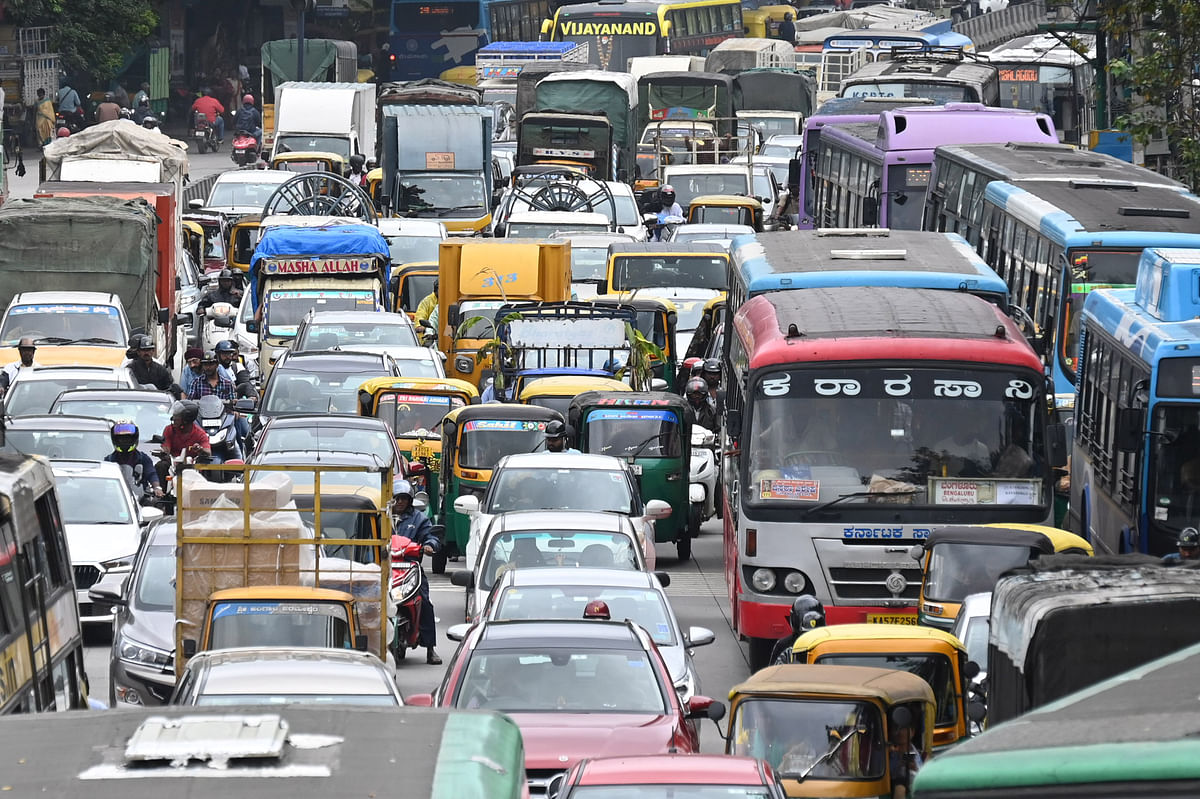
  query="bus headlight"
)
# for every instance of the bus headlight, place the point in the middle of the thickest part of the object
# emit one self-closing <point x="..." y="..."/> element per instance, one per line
<point x="763" y="580"/>
<point x="795" y="582"/>
<point x="465" y="364"/>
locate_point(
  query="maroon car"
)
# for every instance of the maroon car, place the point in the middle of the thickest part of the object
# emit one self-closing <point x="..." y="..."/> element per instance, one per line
<point x="576" y="689"/>
<point x="666" y="776"/>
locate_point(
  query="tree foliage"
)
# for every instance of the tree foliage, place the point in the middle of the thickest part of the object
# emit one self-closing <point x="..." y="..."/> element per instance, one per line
<point x="1160" y="45"/>
<point x="93" y="36"/>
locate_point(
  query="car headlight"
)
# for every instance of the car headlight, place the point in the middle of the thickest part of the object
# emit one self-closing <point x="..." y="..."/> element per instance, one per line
<point x="763" y="580"/>
<point x="795" y="582"/>
<point x="122" y="564"/>
<point x="464" y="364"/>
<point x="132" y="651"/>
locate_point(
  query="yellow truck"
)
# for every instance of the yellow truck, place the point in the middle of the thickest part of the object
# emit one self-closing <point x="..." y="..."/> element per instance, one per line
<point x="261" y="562"/>
<point x="476" y="277"/>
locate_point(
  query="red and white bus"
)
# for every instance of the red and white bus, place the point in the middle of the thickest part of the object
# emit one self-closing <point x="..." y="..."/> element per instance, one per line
<point x="858" y="420"/>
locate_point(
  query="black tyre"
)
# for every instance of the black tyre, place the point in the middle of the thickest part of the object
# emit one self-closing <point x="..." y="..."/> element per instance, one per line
<point x="683" y="547"/>
<point x="695" y="513"/>
<point x="200" y="146"/>
<point x="399" y="650"/>
<point x="438" y="563"/>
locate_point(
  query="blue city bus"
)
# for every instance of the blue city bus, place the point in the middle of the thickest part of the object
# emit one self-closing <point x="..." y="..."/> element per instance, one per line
<point x="428" y="38"/>
<point x="859" y="257"/>
<point x="1135" y="468"/>
<point x="1053" y="241"/>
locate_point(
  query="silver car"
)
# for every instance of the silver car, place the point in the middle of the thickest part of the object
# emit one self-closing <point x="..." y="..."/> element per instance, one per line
<point x="274" y="676"/>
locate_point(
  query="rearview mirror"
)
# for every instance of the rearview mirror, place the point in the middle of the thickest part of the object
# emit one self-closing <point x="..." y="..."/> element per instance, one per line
<point x="700" y="636"/>
<point x="457" y="632"/>
<point x="463" y="578"/>
<point x="105" y="595"/>
<point x="656" y="509"/>
<point x="189" y="647"/>
<point x="468" y="505"/>
<point x="150" y="514"/>
<point x="1056" y="444"/>
<point x="252" y="327"/>
<point x="246" y="405"/>
<point x="664" y="578"/>
<point x="196" y="204"/>
<point x="917" y="553"/>
<point x="703" y="707"/>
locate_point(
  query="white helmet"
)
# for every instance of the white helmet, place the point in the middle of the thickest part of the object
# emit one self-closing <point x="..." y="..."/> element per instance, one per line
<point x="402" y="487"/>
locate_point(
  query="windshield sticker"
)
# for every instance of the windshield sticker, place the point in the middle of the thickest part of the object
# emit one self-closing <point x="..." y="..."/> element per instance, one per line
<point x="418" y="399"/>
<point x="271" y="608"/>
<point x="662" y="628"/>
<point x="800" y="490"/>
<point x="106" y="310"/>
<point x="329" y="295"/>
<point x="657" y="416"/>
<point x="950" y="491"/>
<point x="512" y="425"/>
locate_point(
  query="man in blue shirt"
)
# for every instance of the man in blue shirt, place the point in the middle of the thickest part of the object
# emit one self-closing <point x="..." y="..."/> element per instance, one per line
<point x="211" y="381"/>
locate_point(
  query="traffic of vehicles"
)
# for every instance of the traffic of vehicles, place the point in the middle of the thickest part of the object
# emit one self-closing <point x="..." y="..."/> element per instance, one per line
<point x="900" y="383"/>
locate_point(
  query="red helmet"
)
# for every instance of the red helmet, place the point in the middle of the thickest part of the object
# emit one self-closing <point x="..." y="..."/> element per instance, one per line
<point x="249" y="98"/>
<point x="63" y="133"/>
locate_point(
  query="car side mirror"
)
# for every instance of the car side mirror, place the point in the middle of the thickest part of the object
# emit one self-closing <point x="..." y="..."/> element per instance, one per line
<point x="703" y="707"/>
<point x="457" y="632"/>
<point x="656" y="509"/>
<point x="658" y="384"/>
<point x="1131" y="423"/>
<point x="971" y="670"/>
<point x="246" y="404"/>
<point x="469" y="506"/>
<point x="463" y="578"/>
<point x="700" y="636"/>
<point x="196" y="204"/>
<point x="360" y="643"/>
<point x="976" y="711"/>
<point x="164" y="316"/>
<point x="419" y="700"/>
<point x="150" y="514"/>
<point x="156" y="439"/>
<point x="105" y="595"/>
<point x="189" y="648"/>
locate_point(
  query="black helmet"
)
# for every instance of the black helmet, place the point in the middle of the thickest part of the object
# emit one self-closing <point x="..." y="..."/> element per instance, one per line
<point x="667" y="194"/>
<point x="226" y="346"/>
<point x="141" y="342"/>
<point x="356" y="161"/>
<point x="695" y="386"/>
<point x="124" y="436"/>
<point x="109" y="97"/>
<point x="807" y="613"/>
<point x="712" y="366"/>
<point x="1189" y="538"/>
<point x="225" y="274"/>
<point x="185" y="411"/>
<point x="555" y="429"/>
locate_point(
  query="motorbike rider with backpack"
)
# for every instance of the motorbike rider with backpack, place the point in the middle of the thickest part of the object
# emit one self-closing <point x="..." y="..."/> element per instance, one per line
<point x="136" y="465"/>
<point x="807" y="614"/>
<point x="414" y="525"/>
<point x="249" y="120"/>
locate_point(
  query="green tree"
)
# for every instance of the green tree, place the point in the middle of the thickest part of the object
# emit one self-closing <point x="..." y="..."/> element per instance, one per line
<point x="1160" y="40"/>
<point x="93" y="36"/>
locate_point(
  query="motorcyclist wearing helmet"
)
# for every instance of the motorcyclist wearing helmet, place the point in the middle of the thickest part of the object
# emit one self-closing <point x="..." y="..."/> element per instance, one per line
<point x="108" y="110"/>
<point x="184" y="435"/>
<point x="249" y="120"/>
<point x="136" y="465"/>
<point x="150" y="122"/>
<point x="556" y="438"/>
<point x="1189" y="548"/>
<point x="147" y="371"/>
<point x="211" y="381"/>
<point x="224" y="292"/>
<point x="414" y="525"/>
<point x="228" y="366"/>
<point x="704" y="410"/>
<point x="807" y="614"/>
<point x="358" y="170"/>
<point x="711" y="372"/>
<point x="669" y="210"/>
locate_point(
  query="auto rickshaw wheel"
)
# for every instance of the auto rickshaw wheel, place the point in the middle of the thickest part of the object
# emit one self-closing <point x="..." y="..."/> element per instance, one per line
<point x="683" y="546"/>
<point x="437" y="563"/>
<point x="399" y="650"/>
<point x="695" y="518"/>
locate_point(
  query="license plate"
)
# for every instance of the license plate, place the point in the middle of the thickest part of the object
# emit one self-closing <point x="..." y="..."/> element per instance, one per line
<point x="199" y="134"/>
<point x="422" y="451"/>
<point x="891" y="618"/>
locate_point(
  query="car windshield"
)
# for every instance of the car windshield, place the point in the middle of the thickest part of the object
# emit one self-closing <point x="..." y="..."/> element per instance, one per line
<point x="541" y="230"/>
<point x="438" y="195"/>
<point x="410" y="249"/>
<point x="348" y="335"/>
<point x="420" y="367"/>
<point x="273" y="622"/>
<point x="62" y="324"/>
<point x="308" y="143"/>
<point x="36" y="396"/>
<point x="286" y="309"/>
<point x="931" y="667"/>
<point x="93" y="500"/>
<point x="302" y="481"/>
<point x="543" y="679"/>
<point x="646" y="607"/>
<point x="367" y="700"/>
<point x="777" y="150"/>
<point x="298" y="391"/>
<point x="689" y="186"/>
<point x="668" y="271"/>
<point x="630" y="432"/>
<point x="155" y="588"/>
<point x="150" y="417"/>
<point x="593" y="550"/>
<point x="688" y="314"/>
<point x="793" y="734"/>
<point x="685" y="235"/>
<point x="227" y="194"/>
<point x="328" y="438"/>
<point x="559" y="489"/>
<point x="931" y="437"/>
<point x="90" y="445"/>
<point x="588" y="263"/>
<point x="956" y="570"/>
<point x="415" y="414"/>
<point x="485" y="441"/>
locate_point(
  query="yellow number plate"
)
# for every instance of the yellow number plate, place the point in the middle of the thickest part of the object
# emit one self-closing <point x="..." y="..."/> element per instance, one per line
<point x="888" y="618"/>
<point x="422" y="451"/>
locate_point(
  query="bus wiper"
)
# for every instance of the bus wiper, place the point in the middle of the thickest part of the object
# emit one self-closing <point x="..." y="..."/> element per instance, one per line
<point x="52" y="340"/>
<point x="833" y="750"/>
<point x="92" y="340"/>
<point x="855" y="495"/>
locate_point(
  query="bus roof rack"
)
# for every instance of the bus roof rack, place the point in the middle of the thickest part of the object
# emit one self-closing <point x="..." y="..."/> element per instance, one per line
<point x="869" y="255"/>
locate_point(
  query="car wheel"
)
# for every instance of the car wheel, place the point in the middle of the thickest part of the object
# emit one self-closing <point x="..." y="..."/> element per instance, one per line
<point x="683" y="547"/>
<point x="399" y="650"/>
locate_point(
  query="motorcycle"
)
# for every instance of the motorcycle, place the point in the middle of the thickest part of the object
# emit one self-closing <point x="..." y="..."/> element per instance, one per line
<point x="204" y="133"/>
<point x="662" y="229"/>
<point x="702" y="476"/>
<point x="219" y="321"/>
<point x="405" y="593"/>
<point x="244" y="149"/>
<point x="219" y="422"/>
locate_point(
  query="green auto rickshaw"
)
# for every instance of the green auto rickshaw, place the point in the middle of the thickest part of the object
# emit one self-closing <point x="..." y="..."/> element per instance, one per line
<point x="653" y="431"/>
<point x="474" y="439"/>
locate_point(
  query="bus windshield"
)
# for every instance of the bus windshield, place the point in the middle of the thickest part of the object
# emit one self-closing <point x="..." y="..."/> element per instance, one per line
<point x="668" y="271"/>
<point x="940" y="93"/>
<point x="1100" y="268"/>
<point x="1175" y="478"/>
<point x="439" y="193"/>
<point x="612" y="40"/>
<point x="921" y="436"/>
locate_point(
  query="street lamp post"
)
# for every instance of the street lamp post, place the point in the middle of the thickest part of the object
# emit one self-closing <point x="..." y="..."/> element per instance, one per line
<point x="302" y="8"/>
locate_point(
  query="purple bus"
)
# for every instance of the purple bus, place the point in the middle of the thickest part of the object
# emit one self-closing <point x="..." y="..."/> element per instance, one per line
<point x="875" y="173"/>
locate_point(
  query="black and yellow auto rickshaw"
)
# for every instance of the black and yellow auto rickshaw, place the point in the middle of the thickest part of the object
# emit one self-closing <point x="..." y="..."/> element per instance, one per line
<point x="653" y="431"/>
<point x="474" y="439"/>
<point x="656" y="321"/>
<point x="726" y="209"/>
<point x="834" y="731"/>
<point x="412" y="283"/>
<point x="968" y="559"/>
<point x="243" y="238"/>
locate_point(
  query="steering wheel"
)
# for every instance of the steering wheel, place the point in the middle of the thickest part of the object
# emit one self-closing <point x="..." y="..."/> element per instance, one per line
<point x="814" y="457"/>
<point x="561" y="197"/>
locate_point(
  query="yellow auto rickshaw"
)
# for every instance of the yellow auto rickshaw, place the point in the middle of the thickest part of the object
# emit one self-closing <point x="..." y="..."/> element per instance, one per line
<point x="832" y="731"/>
<point x="374" y="187"/>
<point x="936" y="656"/>
<point x="301" y="161"/>
<point x="243" y="238"/>
<point x="726" y="209"/>
<point x="413" y="283"/>
<point x="968" y="559"/>
<point x="413" y="408"/>
<point x="556" y="393"/>
<point x="764" y="21"/>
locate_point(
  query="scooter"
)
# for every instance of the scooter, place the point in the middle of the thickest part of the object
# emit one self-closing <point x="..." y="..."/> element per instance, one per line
<point x="218" y="421"/>
<point x="702" y="474"/>
<point x="244" y="149"/>
<point x="405" y="593"/>
<point x="204" y="133"/>
<point x="219" y="321"/>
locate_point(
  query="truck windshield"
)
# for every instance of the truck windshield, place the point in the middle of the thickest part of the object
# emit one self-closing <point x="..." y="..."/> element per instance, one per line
<point x="313" y="144"/>
<point x="411" y="249"/>
<point x="91" y="324"/>
<point x="437" y="195"/>
<point x="792" y="734"/>
<point x="541" y="230"/>
<point x="292" y="623"/>
<point x="668" y="271"/>
<point x="285" y="309"/>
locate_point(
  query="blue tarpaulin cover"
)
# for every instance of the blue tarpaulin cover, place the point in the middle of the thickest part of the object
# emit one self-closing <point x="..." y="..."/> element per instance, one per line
<point x="328" y="241"/>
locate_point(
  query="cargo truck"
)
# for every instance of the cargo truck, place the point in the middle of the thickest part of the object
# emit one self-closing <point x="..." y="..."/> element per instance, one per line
<point x="336" y="118"/>
<point x="325" y="61"/>
<point x="613" y="94"/>
<point x="437" y="164"/>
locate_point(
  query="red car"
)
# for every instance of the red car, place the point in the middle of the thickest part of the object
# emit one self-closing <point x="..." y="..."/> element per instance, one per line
<point x="575" y="688"/>
<point x="664" y="776"/>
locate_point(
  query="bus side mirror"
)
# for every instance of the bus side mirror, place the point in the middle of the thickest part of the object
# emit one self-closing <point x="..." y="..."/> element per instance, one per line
<point x="189" y="648"/>
<point x="793" y="176"/>
<point x="1130" y="429"/>
<point x="1056" y="444"/>
<point x="870" y="212"/>
<point x="733" y="423"/>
